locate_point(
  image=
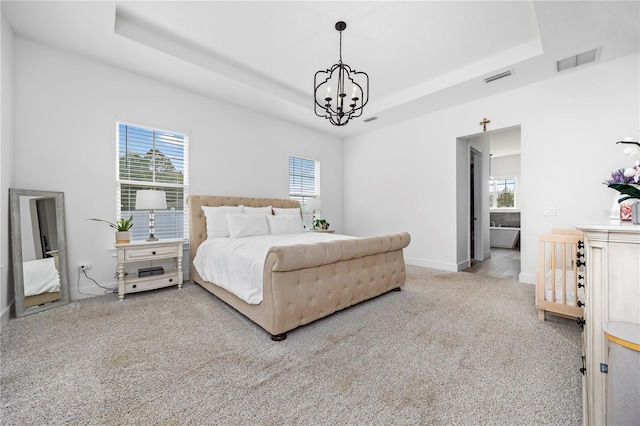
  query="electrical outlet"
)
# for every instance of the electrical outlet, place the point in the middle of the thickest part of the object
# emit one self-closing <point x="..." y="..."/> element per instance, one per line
<point x="550" y="211"/>
<point x="84" y="266"/>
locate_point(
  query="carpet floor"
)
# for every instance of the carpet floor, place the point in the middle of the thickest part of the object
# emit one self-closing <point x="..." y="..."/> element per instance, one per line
<point x="450" y="348"/>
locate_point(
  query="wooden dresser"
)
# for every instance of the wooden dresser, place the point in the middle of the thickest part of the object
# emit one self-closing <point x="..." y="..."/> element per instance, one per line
<point x="612" y="255"/>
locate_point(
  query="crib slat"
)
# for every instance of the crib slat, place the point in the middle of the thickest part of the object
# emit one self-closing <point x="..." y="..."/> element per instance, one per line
<point x="553" y="272"/>
<point x="561" y="243"/>
<point x="564" y="273"/>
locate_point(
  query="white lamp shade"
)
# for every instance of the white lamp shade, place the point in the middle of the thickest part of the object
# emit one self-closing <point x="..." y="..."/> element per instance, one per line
<point x="314" y="204"/>
<point x="149" y="199"/>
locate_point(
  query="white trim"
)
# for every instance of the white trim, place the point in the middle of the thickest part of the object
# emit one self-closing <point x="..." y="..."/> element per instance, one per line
<point x="527" y="278"/>
<point x="149" y="126"/>
<point x="6" y="315"/>
<point x="425" y="263"/>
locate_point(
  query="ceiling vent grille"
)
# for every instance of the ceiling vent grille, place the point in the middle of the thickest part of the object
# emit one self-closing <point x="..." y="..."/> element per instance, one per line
<point x="498" y="76"/>
<point x="366" y="120"/>
<point x="577" y="60"/>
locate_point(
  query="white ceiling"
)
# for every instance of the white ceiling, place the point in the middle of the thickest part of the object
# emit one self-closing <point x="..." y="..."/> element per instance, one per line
<point x="420" y="56"/>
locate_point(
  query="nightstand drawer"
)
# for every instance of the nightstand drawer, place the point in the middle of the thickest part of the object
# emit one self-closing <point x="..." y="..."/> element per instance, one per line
<point x="150" y="253"/>
<point x="150" y="283"/>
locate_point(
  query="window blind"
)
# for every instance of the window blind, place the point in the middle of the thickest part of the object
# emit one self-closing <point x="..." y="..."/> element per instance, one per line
<point x="153" y="159"/>
<point x="304" y="183"/>
<point x="502" y="192"/>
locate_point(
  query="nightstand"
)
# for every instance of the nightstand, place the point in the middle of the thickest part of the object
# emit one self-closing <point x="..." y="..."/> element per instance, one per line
<point x="139" y="254"/>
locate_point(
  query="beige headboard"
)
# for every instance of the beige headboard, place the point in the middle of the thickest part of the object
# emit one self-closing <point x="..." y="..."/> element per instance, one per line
<point x="198" y="222"/>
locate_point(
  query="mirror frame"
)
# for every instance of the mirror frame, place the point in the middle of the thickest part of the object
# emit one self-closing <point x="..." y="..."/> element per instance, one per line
<point x="16" y="250"/>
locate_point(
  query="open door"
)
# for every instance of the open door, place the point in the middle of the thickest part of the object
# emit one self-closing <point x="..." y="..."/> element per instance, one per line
<point x="476" y="252"/>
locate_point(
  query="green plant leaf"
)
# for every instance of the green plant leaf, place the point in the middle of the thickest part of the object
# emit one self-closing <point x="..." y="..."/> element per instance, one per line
<point x="120" y="225"/>
<point x="629" y="191"/>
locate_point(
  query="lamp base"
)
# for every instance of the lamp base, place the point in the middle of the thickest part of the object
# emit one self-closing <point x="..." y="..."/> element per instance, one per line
<point x="152" y="226"/>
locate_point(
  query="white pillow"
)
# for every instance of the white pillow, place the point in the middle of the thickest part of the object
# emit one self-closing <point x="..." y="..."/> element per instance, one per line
<point x="258" y="210"/>
<point x="247" y="225"/>
<point x="280" y="211"/>
<point x="285" y="224"/>
<point x="217" y="224"/>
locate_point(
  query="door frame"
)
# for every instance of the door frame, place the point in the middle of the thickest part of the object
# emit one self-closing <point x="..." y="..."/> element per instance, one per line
<point x="475" y="197"/>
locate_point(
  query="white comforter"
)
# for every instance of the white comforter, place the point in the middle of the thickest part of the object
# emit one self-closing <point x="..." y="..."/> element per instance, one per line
<point x="236" y="264"/>
<point x="40" y="276"/>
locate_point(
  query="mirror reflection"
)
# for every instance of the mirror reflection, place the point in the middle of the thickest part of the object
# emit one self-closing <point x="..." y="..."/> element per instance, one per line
<point x="38" y="250"/>
<point x="40" y="262"/>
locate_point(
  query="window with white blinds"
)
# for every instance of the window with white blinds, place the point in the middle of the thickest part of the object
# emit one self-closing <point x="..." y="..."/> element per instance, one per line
<point x="304" y="183"/>
<point x="153" y="159"/>
<point x="502" y="192"/>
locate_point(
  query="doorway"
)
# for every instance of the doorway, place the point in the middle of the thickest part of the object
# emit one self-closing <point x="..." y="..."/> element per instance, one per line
<point x="483" y="159"/>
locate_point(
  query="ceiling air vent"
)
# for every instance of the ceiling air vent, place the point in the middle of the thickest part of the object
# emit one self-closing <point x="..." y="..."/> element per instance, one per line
<point x="366" y="120"/>
<point x="576" y="60"/>
<point x="498" y="76"/>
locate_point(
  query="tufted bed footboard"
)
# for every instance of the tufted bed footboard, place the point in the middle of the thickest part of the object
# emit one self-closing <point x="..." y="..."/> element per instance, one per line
<point x="306" y="282"/>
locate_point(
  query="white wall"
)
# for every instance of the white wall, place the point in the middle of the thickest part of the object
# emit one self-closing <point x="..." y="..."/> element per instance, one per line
<point x="403" y="178"/>
<point x="65" y="113"/>
<point x="6" y="163"/>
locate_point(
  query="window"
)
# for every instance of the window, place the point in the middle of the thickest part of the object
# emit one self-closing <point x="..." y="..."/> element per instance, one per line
<point x="153" y="159"/>
<point x="304" y="183"/>
<point x="502" y="193"/>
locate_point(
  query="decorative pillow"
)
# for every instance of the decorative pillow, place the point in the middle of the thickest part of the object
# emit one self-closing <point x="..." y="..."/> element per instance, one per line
<point x="217" y="224"/>
<point x="280" y="211"/>
<point x="285" y="224"/>
<point x="258" y="210"/>
<point x="247" y="225"/>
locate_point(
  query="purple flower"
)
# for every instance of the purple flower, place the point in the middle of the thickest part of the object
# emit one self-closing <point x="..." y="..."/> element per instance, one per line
<point x="618" y="176"/>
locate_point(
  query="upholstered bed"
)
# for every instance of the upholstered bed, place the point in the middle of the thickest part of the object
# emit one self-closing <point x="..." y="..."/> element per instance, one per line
<point x="305" y="282"/>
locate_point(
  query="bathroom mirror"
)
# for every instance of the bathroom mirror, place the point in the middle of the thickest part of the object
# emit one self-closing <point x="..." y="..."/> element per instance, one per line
<point x="38" y="247"/>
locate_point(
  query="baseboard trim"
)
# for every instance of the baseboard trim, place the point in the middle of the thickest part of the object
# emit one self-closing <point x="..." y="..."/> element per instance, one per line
<point x="463" y="265"/>
<point x="527" y="278"/>
<point x="431" y="264"/>
<point x="6" y="316"/>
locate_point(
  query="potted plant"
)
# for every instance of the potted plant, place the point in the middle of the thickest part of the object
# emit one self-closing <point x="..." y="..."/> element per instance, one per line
<point x="122" y="227"/>
<point x="320" y="224"/>
<point x="627" y="183"/>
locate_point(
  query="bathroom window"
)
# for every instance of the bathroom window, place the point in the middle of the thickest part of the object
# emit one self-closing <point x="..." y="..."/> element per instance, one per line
<point x="502" y="193"/>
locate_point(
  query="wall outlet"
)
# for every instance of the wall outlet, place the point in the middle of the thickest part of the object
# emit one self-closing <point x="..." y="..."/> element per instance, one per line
<point x="84" y="266"/>
<point x="550" y="211"/>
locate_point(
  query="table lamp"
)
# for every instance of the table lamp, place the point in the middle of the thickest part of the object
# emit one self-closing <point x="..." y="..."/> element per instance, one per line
<point x="315" y="205"/>
<point x="152" y="200"/>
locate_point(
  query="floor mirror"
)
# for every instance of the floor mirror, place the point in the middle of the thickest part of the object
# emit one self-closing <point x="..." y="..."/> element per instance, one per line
<point x="38" y="247"/>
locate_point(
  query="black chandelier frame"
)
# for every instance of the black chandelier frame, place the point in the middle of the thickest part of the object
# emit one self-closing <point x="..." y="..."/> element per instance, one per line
<point x="333" y="106"/>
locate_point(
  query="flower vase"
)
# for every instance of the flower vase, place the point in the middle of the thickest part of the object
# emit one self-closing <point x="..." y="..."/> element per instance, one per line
<point x="615" y="208"/>
<point x="635" y="213"/>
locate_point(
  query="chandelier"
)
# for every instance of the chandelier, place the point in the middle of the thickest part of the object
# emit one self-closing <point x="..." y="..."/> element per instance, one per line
<point x="332" y="85"/>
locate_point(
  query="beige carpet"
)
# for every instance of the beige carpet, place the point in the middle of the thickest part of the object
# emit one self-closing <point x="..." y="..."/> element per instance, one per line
<point x="451" y="348"/>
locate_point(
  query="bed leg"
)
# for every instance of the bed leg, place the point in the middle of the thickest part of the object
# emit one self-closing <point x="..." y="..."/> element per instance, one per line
<point x="541" y="314"/>
<point x="278" y="337"/>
